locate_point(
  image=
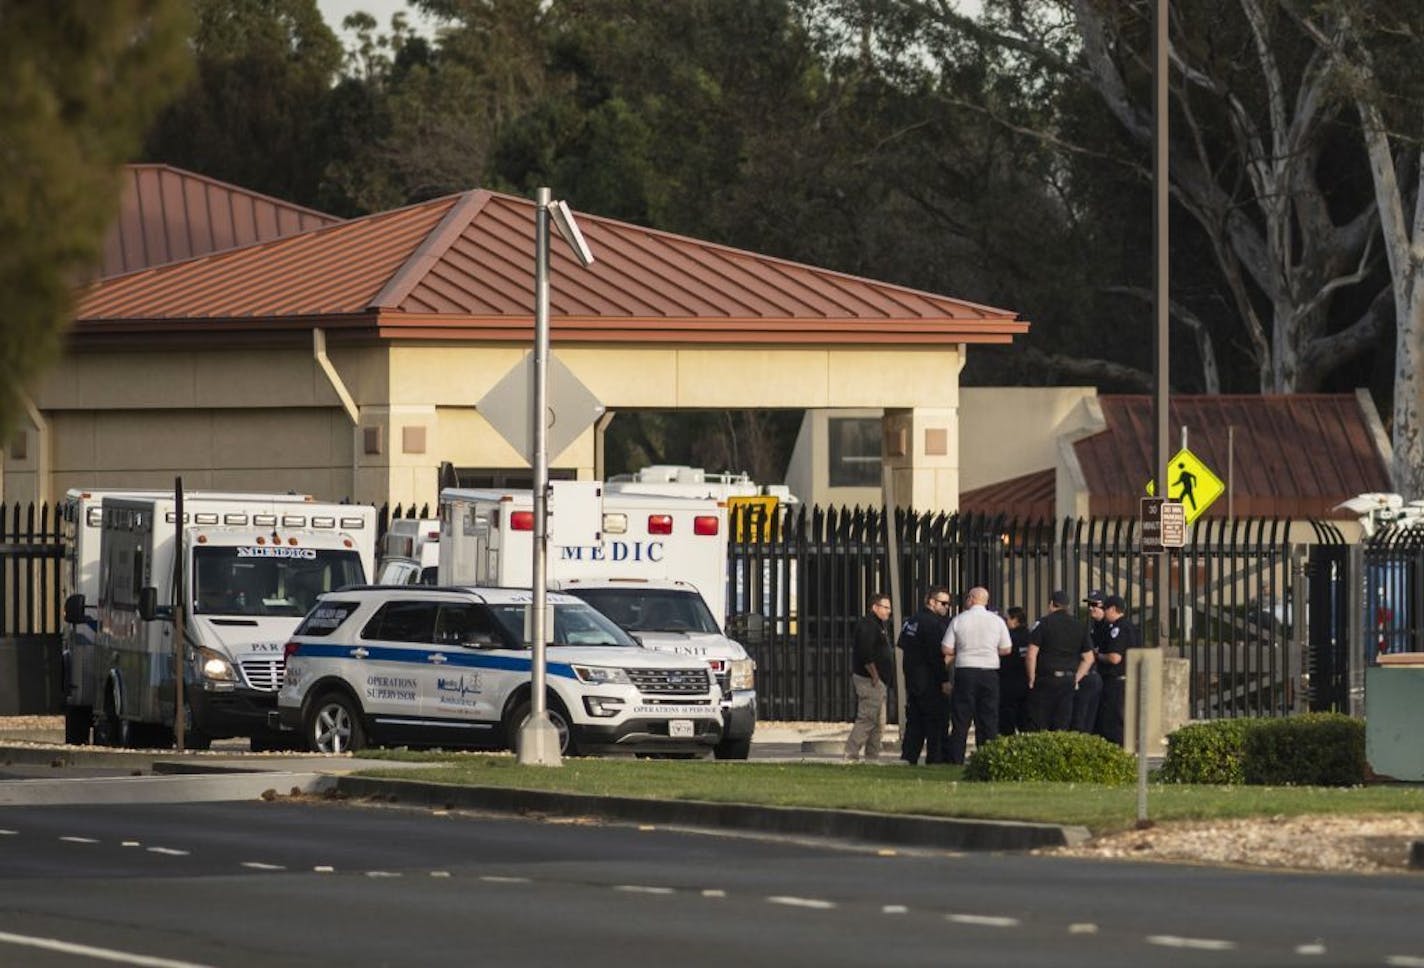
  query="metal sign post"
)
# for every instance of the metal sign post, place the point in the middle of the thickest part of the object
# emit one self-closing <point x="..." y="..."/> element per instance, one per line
<point x="538" y="741"/>
<point x="180" y="599"/>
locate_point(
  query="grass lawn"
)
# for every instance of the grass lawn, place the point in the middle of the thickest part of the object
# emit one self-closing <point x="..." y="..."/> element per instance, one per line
<point x="934" y="791"/>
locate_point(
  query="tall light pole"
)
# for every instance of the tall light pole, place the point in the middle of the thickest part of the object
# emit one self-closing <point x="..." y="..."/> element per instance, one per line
<point x="538" y="742"/>
<point x="1161" y="306"/>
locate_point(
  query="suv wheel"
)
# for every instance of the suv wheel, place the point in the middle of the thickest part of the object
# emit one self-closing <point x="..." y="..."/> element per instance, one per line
<point x="334" y="725"/>
<point x="560" y="719"/>
<point x="733" y="749"/>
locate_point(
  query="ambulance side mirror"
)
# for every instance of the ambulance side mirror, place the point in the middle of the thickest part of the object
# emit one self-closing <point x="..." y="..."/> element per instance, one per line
<point x="74" y="610"/>
<point x="148" y="603"/>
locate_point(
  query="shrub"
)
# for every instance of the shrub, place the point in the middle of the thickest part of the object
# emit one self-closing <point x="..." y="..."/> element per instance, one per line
<point x="1313" y="749"/>
<point x="1211" y="752"/>
<point x="1052" y="757"/>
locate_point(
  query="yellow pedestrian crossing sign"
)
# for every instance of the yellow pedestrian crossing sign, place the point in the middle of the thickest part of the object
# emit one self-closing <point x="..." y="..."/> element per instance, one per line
<point x="1191" y="483"/>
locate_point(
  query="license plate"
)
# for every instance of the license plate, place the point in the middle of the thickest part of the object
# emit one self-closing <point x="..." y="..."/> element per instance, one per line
<point x="680" y="727"/>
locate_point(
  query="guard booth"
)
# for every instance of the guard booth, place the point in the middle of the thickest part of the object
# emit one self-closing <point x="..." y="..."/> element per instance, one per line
<point x="31" y="561"/>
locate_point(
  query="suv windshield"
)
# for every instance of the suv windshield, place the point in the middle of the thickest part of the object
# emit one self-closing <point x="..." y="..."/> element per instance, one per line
<point x="268" y="580"/>
<point x="652" y="609"/>
<point x="573" y="625"/>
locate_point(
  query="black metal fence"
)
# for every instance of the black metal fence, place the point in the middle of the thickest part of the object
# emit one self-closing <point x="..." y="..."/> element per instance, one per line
<point x="31" y="557"/>
<point x="799" y="580"/>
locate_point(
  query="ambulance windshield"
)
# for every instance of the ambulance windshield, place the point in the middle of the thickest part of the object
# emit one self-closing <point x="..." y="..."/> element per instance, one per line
<point x="266" y="580"/>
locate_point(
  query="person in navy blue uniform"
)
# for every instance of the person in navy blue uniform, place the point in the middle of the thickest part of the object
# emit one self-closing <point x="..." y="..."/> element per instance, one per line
<point x="1089" y="692"/>
<point x="1059" y="655"/>
<point x="926" y="679"/>
<point x="1119" y="636"/>
<point x="1013" y="676"/>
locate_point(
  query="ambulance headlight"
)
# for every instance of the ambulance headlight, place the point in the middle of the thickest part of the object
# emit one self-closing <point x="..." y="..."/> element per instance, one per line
<point x="601" y="675"/>
<point x="214" y="666"/>
<point x="742" y="674"/>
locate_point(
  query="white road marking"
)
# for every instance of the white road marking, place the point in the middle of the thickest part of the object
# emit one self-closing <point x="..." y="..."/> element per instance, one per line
<point x="1404" y="961"/>
<point x="496" y="879"/>
<point x="646" y="826"/>
<point x="8" y="833"/>
<point x="1198" y="944"/>
<point x="806" y="902"/>
<point x="886" y="852"/>
<point x="323" y="869"/>
<point x="894" y="909"/>
<point x="130" y="843"/>
<point x="382" y="874"/>
<point x="642" y="889"/>
<point x="714" y="892"/>
<point x="98" y="954"/>
<point x="79" y="840"/>
<point x="257" y="865"/>
<point x="169" y="851"/>
<point x="1083" y="927"/>
<point x="439" y="873"/>
<point x="983" y="920"/>
<point x="1310" y="949"/>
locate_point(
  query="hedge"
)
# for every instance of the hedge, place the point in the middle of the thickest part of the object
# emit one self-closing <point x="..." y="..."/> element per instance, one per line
<point x="1052" y="757"/>
<point x="1313" y="749"/>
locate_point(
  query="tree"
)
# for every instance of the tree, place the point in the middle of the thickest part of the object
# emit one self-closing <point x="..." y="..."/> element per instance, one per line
<point x="1375" y="50"/>
<point x="1287" y="153"/>
<point x="265" y="69"/>
<point x="79" y="83"/>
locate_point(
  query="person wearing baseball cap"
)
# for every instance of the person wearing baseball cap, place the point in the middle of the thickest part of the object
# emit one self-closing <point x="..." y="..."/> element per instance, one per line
<point x="1090" y="690"/>
<point x="1060" y="653"/>
<point x="1119" y="635"/>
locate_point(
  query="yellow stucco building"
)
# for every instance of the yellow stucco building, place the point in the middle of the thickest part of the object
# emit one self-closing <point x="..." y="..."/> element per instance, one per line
<point x="347" y="360"/>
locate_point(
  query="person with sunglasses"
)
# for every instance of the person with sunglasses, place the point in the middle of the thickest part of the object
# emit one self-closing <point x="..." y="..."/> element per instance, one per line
<point x="926" y="680"/>
<point x="1089" y="692"/>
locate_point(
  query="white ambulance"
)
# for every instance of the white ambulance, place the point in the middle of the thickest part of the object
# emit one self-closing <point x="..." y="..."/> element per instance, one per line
<point x="251" y="566"/>
<point x="410" y="552"/>
<point x="486" y="540"/>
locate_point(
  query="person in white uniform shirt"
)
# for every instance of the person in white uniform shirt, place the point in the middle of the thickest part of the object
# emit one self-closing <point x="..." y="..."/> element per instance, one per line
<point x="974" y="642"/>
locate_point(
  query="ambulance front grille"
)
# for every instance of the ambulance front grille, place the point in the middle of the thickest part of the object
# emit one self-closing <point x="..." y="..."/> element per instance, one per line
<point x="264" y="675"/>
<point x="671" y="682"/>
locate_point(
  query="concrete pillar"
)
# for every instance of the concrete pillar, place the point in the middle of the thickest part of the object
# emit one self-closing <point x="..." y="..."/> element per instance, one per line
<point x="921" y="448"/>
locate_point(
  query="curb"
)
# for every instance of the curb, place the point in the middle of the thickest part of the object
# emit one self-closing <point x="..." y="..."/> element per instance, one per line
<point x="909" y="830"/>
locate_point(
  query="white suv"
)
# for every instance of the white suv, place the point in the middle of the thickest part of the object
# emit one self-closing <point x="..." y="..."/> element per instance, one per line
<point x="672" y="616"/>
<point x="447" y="667"/>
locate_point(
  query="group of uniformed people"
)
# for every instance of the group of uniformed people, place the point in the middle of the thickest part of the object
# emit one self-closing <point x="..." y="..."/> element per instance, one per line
<point x="1005" y="677"/>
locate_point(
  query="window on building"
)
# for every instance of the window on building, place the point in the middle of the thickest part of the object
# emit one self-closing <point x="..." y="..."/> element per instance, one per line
<point x="511" y="478"/>
<point x="854" y="451"/>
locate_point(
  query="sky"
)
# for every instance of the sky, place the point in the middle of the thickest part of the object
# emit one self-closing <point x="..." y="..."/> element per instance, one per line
<point x="336" y="11"/>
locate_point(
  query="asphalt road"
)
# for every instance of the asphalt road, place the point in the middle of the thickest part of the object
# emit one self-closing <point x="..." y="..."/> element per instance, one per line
<point x="308" y="884"/>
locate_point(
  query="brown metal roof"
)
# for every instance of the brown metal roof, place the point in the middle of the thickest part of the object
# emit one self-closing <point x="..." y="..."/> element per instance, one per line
<point x="1027" y="498"/>
<point x="462" y="267"/>
<point x="1295" y="455"/>
<point x="168" y="214"/>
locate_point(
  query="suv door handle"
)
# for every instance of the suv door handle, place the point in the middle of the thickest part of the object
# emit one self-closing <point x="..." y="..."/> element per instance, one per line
<point x="359" y="653"/>
<point x="437" y="658"/>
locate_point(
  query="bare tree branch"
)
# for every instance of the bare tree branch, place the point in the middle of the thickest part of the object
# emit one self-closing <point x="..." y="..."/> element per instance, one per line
<point x="1211" y="373"/>
<point x="1094" y="371"/>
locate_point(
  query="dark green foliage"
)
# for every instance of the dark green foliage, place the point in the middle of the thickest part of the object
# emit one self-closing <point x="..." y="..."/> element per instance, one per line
<point x="79" y="83"/>
<point x="1052" y="758"/>
<point x="1209" y="752"/>
<point x="1315" y="749"/>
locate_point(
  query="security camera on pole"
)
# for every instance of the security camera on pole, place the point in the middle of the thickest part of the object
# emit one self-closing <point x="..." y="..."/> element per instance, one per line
<point x="538" y="741"/>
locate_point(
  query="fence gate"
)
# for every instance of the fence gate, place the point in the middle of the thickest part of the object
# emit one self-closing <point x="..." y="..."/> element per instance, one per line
<point x="31" y="556"/>
<point x="799" y="580"/>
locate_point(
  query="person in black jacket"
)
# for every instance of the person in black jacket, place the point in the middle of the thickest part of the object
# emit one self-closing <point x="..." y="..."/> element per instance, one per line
<point x="926" y="680"/>
<point x="1089" y="692"/>
<point x="1120" y="635"/>
<point x="1059" y="656"/>
<point x="1013" y="676"/>
<point x="871" y="666"/>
